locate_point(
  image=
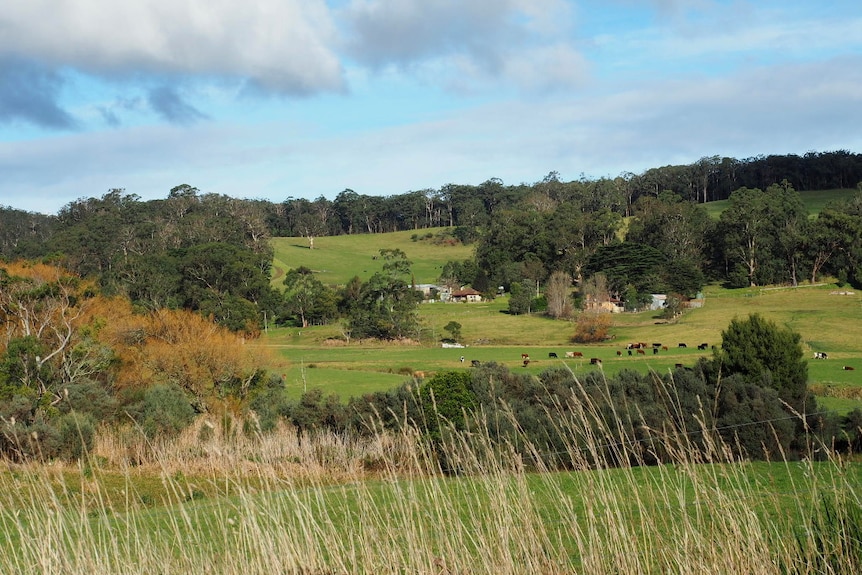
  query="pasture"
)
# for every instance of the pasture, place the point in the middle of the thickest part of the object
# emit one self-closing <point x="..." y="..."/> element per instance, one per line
<point x="829" y="319"/>
<point x="814" y="200"/>
<point x="336" y="259"/>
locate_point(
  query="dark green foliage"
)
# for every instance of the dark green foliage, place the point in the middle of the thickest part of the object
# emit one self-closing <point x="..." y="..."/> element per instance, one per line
<point x="314" y="411"/>
<point x="628" y="264"/>
<point x="447" y="397"/>
<point x="387" y="304"/>
<point x="163" y="410"/>
<point x="520" y="298"/>
<point x="769" y="356"/>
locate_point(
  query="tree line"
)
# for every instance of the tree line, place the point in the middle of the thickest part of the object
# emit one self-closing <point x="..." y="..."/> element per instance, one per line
<point x="634" y="234"/>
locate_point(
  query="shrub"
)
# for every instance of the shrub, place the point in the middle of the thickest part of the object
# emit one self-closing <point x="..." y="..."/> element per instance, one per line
<point x="164" y="410"/>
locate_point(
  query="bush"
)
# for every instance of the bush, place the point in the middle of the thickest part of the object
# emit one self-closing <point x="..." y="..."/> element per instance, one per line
<point x="164" y="410"/>
<point x="592" y="327"/>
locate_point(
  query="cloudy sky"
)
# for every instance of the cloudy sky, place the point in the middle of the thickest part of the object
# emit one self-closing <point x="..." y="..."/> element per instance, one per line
<point x="302" y="98"/>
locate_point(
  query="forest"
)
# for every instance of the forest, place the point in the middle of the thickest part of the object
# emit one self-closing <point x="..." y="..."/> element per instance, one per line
<point x="186" y="279"/>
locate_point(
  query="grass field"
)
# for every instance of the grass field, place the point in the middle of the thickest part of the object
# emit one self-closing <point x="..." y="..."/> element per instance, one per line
<point x="815" y="201"/>
<point x="336" y="259"/>
<point x="825" y="320"/>
<point x="249" y="505"/>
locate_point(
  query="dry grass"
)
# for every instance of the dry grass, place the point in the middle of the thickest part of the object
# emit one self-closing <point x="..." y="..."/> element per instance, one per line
<point x="330" y="504"/>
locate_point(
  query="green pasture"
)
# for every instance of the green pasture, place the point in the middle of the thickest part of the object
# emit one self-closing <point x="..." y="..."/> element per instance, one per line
<point x="336" y="259"/>
<point x="829" y="319"/>
<point x="814" y="200"/>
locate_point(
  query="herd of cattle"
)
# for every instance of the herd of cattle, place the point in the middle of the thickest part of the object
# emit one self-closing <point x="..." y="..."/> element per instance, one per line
<point x="638" y="348"/>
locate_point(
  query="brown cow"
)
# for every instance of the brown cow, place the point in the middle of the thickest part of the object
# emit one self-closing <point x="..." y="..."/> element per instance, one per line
<point x="641" y="352"/>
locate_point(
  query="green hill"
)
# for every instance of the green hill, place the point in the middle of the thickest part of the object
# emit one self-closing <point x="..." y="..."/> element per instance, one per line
<point x="814" y="200"/>
<point x="336" y="259"/>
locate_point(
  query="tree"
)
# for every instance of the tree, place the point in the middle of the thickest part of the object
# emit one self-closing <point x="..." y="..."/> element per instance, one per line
<point x="558" y="294"/>
<point x="454" y="329"/>
<point x="520" y="298"/>
<point x="743" y="226"/>
<point x="790" y="222"/>
<point x="592" y="326"/>
<point x="387" y="303"/>
<point x="767" y="355"/>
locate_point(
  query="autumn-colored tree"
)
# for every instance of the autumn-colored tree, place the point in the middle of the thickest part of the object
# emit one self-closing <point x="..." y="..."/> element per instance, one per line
<point x="592" y="326"/>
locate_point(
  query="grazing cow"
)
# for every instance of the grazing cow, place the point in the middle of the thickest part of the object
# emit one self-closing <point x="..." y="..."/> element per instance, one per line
<point x="462" y="359"/>
<point x="641" y="352"/>
<point x="654" y="350"/>
<point x="630" y="352"/>
<point x="526" y="362"/>
<point x="595" y="361"/>
<point x="570" y="354"/>
<point x="655" y="345"/>
<point x="619" y="353"/>
<point x="552" y="355"/>
<point x="849" y="368"/>
<point x="525" y="356"/>
<point x="664" y="348"/>
<point x="681" y="345"/>
<point x="703" y="346"/>
<point x="475" y="363"/>
<point x="820" y="355"/>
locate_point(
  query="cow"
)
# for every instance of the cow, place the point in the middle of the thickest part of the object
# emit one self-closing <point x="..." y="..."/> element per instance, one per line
<point x="525" y="356"/>
<point x="678" y="365"/>
<point x="664" y="348"/>
<point x="619" y="353"/>
<point x="655" y="345"/>
<point x="641" y="352"/>
<point x="595" y="361"/>
<point x="552" y="355"/>
<point x="574" y="354"/>
<point x="654" y="350"/>
<point x="703" y="346"/>
<point x="475" y="363"/>
<point x="526" y="362"/>
<point x="630" y="351"/>
<point x="681" y="345"/>
<point x="820" y="355"/>
<point x="849" y="368"/>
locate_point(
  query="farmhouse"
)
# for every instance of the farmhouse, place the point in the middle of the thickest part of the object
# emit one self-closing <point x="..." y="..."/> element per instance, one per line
<point x="466" y="295"/>
<point x="611" y="305"/>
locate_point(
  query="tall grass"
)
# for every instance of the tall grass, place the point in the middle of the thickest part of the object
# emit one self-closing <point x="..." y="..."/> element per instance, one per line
<point x="234" y="502"/>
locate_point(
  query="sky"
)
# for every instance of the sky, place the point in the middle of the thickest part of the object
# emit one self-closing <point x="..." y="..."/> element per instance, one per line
<point x="278" y="99"/>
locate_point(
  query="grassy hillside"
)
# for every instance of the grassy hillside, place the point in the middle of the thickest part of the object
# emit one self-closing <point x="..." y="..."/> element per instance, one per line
<point x="314" y="357"/>
<point x="336" y="259"/>
<point x="815" y="201"/>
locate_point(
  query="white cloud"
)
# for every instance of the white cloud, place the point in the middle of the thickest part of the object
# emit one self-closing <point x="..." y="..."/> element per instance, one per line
<point x="282" y="45"/>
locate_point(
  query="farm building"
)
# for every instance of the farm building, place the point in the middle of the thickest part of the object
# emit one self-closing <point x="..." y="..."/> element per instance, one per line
<point x="466" y="295"/>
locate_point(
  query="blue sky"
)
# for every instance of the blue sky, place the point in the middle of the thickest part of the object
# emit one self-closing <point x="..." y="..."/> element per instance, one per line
<point x="302" y="98"/>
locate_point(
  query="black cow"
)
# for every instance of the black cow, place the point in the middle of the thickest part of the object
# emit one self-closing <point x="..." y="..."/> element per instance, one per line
<point x="595" y="361"/>
<point x="703" y="346"/>
<point x="681" y="345"/>
<point x="475" y="363"/>
<point x="552" y="355"/>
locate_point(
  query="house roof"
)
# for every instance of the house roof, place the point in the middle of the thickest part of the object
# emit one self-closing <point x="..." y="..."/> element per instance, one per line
<point x="465" y="292"/>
